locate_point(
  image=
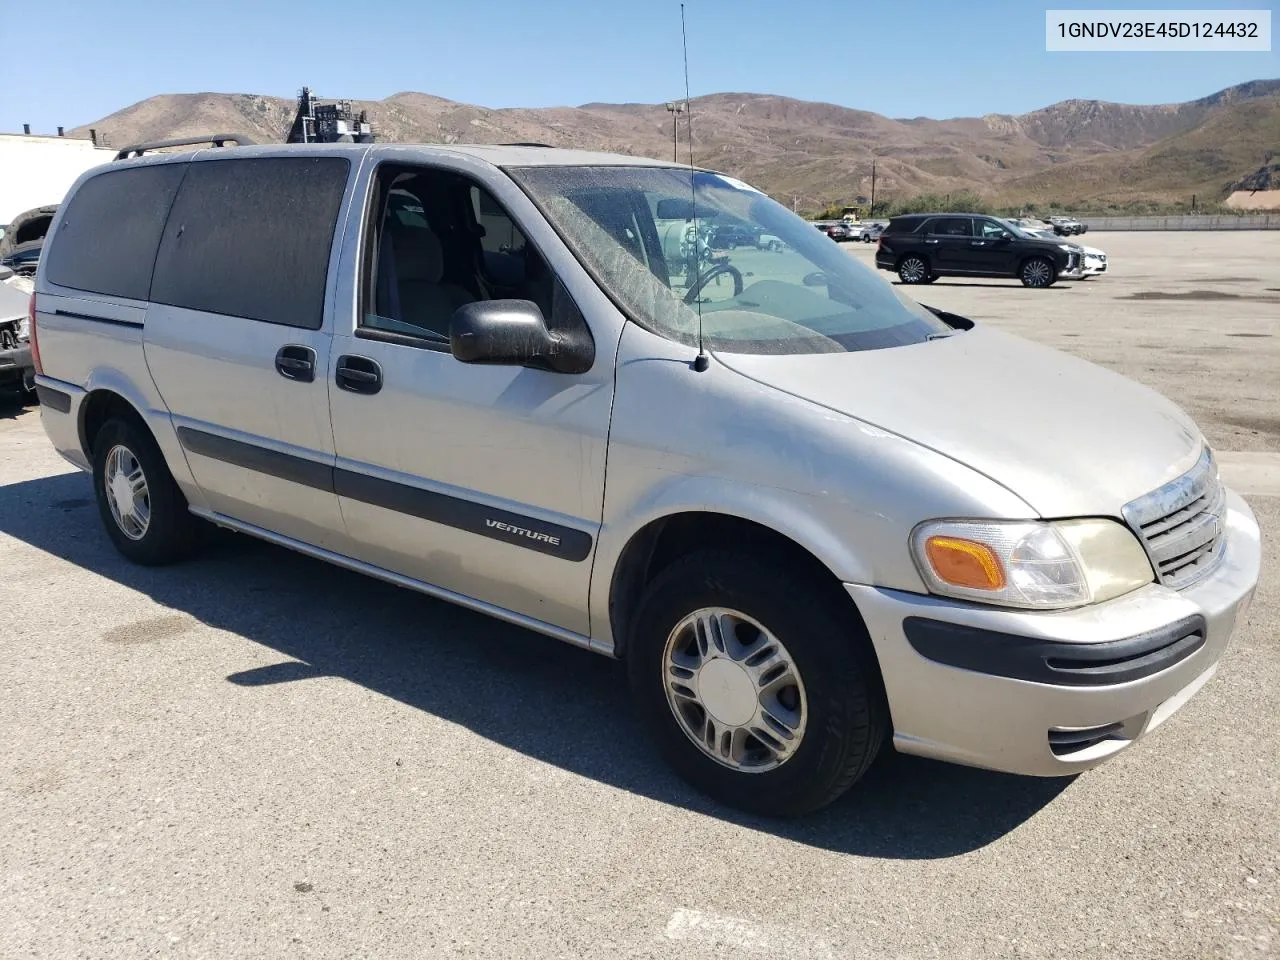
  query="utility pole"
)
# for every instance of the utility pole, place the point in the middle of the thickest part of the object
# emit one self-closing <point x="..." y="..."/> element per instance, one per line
<point x="873" y="188"/>
<point x="674" y="109"/>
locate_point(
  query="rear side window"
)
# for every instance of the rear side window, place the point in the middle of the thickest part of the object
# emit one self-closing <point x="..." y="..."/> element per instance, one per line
<point x="251" y="238"/>
<point x="111" y="229"/>
<point x="951" y="227"/>
<point x="903" y="225"/>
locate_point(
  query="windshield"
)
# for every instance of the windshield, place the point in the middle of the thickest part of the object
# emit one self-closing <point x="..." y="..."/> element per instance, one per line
<point x="669" y="250"/>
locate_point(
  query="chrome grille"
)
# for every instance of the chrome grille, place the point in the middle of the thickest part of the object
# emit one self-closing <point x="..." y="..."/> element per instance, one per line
<point x="1181" y="526"/>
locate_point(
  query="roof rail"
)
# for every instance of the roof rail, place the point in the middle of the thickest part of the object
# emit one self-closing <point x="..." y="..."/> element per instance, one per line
<point x="547" y="145"/>
<point x="217" y="139"/>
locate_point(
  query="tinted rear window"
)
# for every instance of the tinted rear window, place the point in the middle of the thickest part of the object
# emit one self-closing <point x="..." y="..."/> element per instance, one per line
<point x="897" y="225"/>
<point x="110" y="230"/>
<point x="251" y="238"/>
<point x="951" y="227"/>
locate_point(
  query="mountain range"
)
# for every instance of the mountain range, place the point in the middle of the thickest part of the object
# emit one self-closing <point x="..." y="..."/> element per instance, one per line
<point x="1079" y="153"/>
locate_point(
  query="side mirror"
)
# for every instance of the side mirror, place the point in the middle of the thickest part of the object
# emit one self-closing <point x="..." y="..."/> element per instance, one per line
<point x="514" y="333"/>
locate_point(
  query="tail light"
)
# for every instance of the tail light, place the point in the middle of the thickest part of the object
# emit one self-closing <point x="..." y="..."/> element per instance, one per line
<point x="31" y="333"/>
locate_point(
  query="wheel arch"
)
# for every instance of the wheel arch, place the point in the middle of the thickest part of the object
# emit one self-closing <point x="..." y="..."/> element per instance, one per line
<point x="664" y="539"/>
<point x="108" y="393"/>
<point x="1028" y="257"/>
<point x="897" y="264"/>
<point x="99" y="406"/>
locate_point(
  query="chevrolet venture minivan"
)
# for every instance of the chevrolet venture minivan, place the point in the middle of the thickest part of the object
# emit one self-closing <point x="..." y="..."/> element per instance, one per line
<point x="813" y="516"/>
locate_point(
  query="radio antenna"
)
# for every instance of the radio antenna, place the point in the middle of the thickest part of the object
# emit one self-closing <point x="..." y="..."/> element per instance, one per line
<point x="701" y="361"/>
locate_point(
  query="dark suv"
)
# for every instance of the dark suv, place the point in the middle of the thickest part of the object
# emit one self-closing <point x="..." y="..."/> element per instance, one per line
<point x="921" y="247"/>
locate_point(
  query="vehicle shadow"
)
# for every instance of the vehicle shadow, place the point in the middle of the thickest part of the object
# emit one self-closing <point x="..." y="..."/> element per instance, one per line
<point x="500" y="681"/>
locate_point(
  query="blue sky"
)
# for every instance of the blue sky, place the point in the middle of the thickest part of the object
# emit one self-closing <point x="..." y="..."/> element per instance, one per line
<point x="88" y="58"/>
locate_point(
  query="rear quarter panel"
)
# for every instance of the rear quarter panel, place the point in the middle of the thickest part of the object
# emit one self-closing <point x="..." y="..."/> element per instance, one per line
<point x="91" y="342"/>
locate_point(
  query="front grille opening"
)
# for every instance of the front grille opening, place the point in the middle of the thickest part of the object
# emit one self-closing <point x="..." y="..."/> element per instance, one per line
<point x="1065" y="742"/>
<point x="1181" y="526"/>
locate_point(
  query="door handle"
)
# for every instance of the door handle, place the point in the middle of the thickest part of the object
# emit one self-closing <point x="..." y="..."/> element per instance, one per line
<point x="296" y="362"/>
<point x="930" y="241"/>
<point x="977" y="243"/>
<point x="358" y="374"/>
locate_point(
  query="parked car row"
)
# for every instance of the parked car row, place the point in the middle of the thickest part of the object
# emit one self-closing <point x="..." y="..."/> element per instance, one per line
<point x="921" y="247"/>
<point x="1059" y="225"/>
<point x="840" y="230"/>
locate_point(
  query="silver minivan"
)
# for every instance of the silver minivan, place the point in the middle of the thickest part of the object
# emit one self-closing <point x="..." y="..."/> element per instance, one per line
<point x="813" y="515"/>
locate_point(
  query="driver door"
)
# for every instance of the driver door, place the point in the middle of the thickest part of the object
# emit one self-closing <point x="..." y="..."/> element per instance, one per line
<point x="993" y="249"/>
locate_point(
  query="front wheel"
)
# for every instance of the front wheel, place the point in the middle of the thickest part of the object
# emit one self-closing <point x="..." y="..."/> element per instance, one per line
<point x="761" y="689"/>
<point x="1038" y="272"/>
<point x="913" y="270"/>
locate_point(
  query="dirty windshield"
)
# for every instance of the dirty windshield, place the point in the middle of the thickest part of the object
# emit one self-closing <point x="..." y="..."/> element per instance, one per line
<point x="670" y="247"/>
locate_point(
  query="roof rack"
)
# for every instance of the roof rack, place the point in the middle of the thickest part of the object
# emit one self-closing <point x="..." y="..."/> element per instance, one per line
<point x="217" y="139"/>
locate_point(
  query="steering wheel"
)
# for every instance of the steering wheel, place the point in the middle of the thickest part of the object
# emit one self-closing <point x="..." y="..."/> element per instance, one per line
<point x="717" y="270"/>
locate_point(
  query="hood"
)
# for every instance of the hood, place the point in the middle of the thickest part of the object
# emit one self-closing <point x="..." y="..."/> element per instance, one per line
<point x="1068" y="437"/>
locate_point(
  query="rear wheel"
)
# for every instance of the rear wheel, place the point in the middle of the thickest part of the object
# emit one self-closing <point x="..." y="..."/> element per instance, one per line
<point x="913" y="269"/>
<point x="1037" y="272"/>
<point x="761" y="689"/>
<point x="141" y="506"/>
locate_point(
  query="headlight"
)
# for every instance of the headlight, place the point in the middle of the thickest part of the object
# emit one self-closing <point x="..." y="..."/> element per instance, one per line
<point x="1028" y="563"/>
<point x="24" y="329"/>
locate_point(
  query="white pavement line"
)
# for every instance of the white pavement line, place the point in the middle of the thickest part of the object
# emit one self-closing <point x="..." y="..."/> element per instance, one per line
<point x="716" y="930"/>
<point x="1249" y="473"/>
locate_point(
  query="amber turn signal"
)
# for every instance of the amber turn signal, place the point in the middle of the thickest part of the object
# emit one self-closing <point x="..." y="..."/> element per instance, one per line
<point x="965" y="563"/>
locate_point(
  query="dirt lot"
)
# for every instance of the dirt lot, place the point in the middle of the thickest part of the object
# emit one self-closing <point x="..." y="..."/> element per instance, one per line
<point x="256" y="755"/>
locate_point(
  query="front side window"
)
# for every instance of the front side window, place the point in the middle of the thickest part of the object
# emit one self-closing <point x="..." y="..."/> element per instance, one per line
<point x="439" y="241"/>
<point x="649" y="236"/>
<point x="991" y="230"/>
<point x="951" y="227"/>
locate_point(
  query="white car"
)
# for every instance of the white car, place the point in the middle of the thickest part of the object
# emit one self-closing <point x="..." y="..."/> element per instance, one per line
<point x="1094" y="260"/>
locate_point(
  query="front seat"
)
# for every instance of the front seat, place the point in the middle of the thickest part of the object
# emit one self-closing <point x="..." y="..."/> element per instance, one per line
<point x="419" y="265"/>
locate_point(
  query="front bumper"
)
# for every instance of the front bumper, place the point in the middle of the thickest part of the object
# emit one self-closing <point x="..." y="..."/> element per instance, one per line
<point x="1140" y="658"/>
<point x="1074" y="268"/>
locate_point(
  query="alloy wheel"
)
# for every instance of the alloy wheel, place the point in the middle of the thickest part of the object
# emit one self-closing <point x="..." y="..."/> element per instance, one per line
<point x="734" y="689"/>
<point x="912" y="270"/>
<point x="1037" y="273"/>
<point x="127" y="494"/>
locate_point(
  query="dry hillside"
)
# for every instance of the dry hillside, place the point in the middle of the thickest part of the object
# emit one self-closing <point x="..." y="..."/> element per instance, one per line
<point x="1077" y="151"/>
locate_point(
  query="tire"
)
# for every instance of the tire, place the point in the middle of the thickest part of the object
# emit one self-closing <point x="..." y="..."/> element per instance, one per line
<point x="1037" y="272"/>
<point x="913" y="269"/>
<point x="839" y="695"/>
<point x="169" y="530"/>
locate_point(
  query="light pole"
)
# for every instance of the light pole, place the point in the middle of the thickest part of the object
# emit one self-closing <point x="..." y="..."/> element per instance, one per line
<point x="674" y="109"/>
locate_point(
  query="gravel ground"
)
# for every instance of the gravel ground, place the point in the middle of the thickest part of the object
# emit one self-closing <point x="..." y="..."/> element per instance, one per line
<point x="254" y="754"/>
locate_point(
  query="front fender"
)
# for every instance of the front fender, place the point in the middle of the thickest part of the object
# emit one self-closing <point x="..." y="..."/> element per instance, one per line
<point x="795" y="516"/>
<point x="718" y="442"/>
